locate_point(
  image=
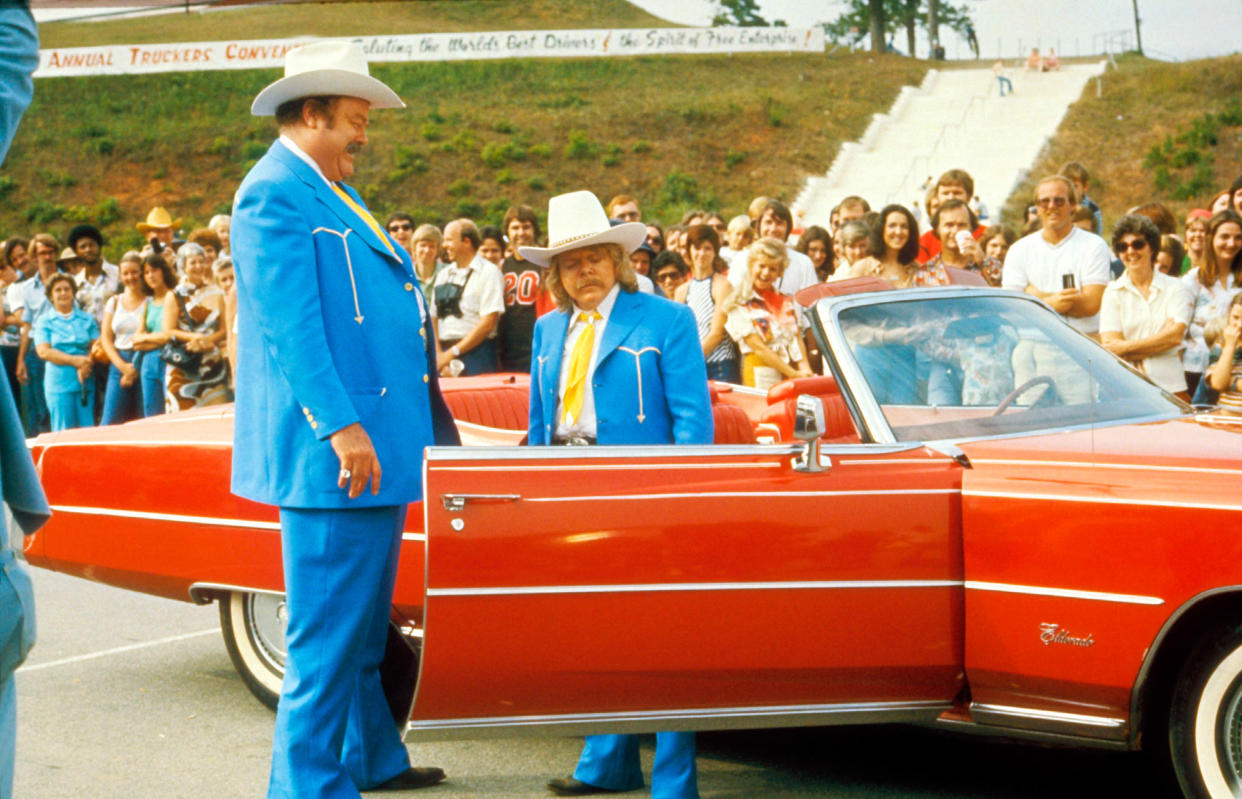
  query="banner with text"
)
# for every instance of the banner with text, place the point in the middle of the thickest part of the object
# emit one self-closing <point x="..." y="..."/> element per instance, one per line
<point x="133" y="59"/>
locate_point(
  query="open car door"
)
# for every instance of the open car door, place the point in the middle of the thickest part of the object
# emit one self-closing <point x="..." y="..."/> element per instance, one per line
<point x="611" y="589"/>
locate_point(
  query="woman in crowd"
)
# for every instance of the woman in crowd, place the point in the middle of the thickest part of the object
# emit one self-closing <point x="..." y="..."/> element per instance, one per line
<point x="705" y="293"/>
<point x="194" y="319"/>
<point x="206" y="238"/>
<point x="1195" y="238"/>
<point x="1226" y="374"/>
<point x="853" y="245"/>
<point x="1220" y="201"/>
<point x="63" y="338"/>
<point x="426" y="241"/>
<point x="1171" y="255"/>
<point x="1211" y="287"/>
<point x="717" y="223"/>
<point x="1144" y="313"/>
<point x="816" y="244"/>
<point x="492" y="244"/>
<point x="996" y="241"/>
<point x="15" y="253"/>
<point x="764" y="322"/>
<point x="123" y="317"/>
<point x="894" y="248"/>
<point x="655" y="237"/>
<point x="157" y="281"/>
<point x="10" y="322"/>
<point x="673" y="235"/>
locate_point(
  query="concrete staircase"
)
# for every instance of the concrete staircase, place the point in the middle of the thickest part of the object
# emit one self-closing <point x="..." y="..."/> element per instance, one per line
<point x="955" y="119"/>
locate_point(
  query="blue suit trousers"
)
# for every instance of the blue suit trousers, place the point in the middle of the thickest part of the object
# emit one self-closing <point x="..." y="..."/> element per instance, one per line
<point x="335" y="734"/>
<point x="611" y="761"/>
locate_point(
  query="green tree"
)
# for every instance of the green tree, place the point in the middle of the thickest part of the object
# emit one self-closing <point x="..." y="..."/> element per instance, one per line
<point x="882" y="18"/>
<point x="738" y="12"/>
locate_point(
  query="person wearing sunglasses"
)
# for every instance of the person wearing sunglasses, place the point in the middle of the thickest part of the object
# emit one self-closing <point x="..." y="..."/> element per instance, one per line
<point x="1063" y="265"/>
<point x="1144" y="313"/>
<point x="401" y="227"/>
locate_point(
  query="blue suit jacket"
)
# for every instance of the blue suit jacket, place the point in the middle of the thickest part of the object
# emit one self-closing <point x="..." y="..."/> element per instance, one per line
<point x="650" y="382"/>
<point x="332" y="329"/>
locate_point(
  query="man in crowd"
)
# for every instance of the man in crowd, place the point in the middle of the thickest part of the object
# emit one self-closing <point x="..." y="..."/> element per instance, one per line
<point x="623" y="207"/>
<point x="670" y="272"/>
<point x="19" y="484"/>
<point x="98" y="279"/>
<point x="400" y="226"/>
<point x="336" y="388"/>
<point x="614" y="366"/>
<point x="775" y="221"/>
<point x="1080" y="179"/>
<point x="467" y="299"/>
<point x="952" y="219"/>
<point x="1066" y="267"/>
<point x="956" y="184"/>
<point x="517" y="323"/>
<point x="29" y="298"/>
<point x="851" y="208"/>
<point x="160" y="225"/>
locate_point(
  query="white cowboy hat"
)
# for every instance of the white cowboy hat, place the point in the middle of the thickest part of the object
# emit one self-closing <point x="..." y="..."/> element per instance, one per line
<point x="325" y="68"/>
<point x="578" y="220"/>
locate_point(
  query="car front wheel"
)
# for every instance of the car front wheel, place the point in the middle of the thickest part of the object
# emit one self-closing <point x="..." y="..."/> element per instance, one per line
<point x="254" y="633"/>
<point x="1205" y="720"/>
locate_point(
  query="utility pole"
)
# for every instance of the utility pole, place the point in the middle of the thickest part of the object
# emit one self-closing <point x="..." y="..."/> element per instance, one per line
<point x="1138" y="31"/>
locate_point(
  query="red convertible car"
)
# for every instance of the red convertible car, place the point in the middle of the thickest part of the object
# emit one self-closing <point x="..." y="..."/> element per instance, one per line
<point x="976" y="518"/>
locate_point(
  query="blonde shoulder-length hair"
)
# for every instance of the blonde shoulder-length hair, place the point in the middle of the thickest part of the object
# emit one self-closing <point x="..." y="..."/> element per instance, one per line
<point x="767" y="249"/>
<point x="626" y="276"/>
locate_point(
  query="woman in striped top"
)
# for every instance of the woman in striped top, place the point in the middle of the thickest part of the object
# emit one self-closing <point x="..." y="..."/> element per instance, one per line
<point x="705" y="292"/>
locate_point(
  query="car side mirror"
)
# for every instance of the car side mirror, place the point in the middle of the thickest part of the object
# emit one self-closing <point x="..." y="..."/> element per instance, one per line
<point x="809" y="426"/>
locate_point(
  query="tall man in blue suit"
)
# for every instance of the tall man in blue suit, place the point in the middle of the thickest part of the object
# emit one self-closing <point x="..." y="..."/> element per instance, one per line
<point x="336" y="389"/>
<point x="614" y="366"/>
<point x="19" y="484"/>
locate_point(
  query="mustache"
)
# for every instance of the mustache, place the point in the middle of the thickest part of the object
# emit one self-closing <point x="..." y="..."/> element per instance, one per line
<point x="589" y="283"/>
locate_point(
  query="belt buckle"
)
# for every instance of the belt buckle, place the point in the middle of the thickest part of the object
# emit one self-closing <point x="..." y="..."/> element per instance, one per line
<point x="577" y="440"/>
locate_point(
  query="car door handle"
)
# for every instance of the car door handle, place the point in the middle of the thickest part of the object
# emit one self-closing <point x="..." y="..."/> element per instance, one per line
<point x="456" y="503"/>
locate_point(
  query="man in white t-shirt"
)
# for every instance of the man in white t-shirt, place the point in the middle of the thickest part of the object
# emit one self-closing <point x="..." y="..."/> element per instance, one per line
<point x="1066" y="267"/>
<point x="467" y="299"/>
<point x="775" y="221"/>
<point x="1042" y="263"/>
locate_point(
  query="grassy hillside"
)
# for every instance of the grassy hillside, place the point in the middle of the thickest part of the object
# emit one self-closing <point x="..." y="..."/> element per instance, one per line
<point x="350" y="18"/>
<point x="676" y="131"/>
<point x="1148" y="139"/>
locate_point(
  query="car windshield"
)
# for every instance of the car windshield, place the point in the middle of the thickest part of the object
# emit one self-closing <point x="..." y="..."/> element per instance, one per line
<point x="963" y="367"/>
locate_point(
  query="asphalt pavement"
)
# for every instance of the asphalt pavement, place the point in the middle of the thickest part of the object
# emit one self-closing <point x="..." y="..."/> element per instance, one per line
<point x="127" y="695"/>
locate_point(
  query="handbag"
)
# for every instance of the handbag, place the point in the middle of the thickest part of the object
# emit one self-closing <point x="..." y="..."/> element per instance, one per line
<point x="174" y="352"/>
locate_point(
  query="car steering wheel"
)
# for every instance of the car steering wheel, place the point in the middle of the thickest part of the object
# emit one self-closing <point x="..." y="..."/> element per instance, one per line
<point x="1022" y="389"/>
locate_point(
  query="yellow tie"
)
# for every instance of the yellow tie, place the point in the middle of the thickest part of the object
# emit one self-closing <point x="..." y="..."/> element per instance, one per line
<point x="365" y="215"/>
<point x="579" y="361"/>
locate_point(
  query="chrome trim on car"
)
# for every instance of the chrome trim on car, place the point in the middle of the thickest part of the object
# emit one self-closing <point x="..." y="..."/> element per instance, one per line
<point x="924" y="711"/>
<point x="1050" y="721"/>
<point x="1023" y="734"/>
<point x="254" y="524"/>
<point x="199" y="592"/>
<point x="1144" y="467"/>
<point x="746" y="495"/>
<point x="623" y="588"/>
<point x="1065" y="593"/>
<point x="615" y="467"/>
<point x="1098" y="500"/>
<point x="677" y="451"/>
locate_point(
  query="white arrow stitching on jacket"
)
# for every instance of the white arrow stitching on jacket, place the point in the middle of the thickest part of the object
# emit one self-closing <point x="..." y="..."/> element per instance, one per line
<point x="349" y="264"/>
<point x="638" y="369"/>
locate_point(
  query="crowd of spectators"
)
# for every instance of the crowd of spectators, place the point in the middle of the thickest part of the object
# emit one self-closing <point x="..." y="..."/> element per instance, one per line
<point x="85" y="341"/>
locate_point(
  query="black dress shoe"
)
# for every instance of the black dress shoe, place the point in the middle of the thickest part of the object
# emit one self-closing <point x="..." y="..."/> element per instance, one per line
<point x="568" y="786"/>
<point x="412" y="778"/>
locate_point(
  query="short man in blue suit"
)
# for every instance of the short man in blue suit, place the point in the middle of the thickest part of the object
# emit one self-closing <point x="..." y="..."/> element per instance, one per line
<point x="336" y="388"/>
<point x="19" y="483"/>
<point x="614" y="366"/>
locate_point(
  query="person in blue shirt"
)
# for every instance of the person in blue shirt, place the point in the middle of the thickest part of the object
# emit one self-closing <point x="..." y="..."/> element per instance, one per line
<point x="63" y="338"/>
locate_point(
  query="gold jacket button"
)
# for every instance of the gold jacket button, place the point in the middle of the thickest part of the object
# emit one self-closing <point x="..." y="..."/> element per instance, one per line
<point x="426" y="378"/>
<point x="409" y="286"/>
<point x="314" y="425"/>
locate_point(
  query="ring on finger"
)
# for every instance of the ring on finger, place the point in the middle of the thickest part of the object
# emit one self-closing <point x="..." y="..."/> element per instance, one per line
<point x="346" y="474"/>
